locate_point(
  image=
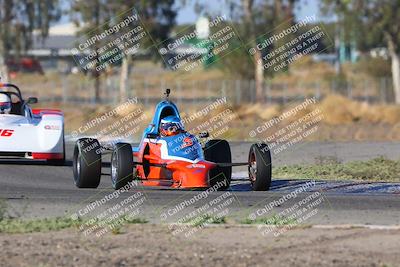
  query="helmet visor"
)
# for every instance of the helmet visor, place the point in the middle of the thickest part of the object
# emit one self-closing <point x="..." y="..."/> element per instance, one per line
<point x="171" y="127"/>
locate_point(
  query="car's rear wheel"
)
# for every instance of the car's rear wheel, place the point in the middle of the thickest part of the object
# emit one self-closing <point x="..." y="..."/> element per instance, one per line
<point x="219" y="151"/>
<point x="121" y="165"/>
<point x="260" y="167"/>
<point x="87" y="163"/>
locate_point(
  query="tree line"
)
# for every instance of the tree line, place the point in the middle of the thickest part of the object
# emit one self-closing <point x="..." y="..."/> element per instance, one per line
<point x="371" y="24"/>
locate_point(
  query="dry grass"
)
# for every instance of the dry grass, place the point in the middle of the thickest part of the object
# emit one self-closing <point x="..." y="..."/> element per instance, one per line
<point x="337" y="110"/>
<point x="343" y="119"/>
<point x="340" y="110"/>
<point x="304" y="69"/>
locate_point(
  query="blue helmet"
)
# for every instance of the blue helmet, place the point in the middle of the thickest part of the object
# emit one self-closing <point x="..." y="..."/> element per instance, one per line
<point x="170" y="125"/>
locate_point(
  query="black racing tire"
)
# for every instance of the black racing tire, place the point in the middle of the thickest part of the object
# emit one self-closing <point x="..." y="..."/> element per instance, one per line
<point x="121" y="165"/>
<point x="219" y="151"/>
<point x="260" y="167"/>
<point x="86" y="163"/>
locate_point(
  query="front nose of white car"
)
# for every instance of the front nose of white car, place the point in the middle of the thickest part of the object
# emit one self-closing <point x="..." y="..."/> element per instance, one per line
<point x="50" y="134"/>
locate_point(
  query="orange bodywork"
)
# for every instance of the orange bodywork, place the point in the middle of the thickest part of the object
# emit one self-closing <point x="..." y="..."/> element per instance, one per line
<point x="174" y="172"/>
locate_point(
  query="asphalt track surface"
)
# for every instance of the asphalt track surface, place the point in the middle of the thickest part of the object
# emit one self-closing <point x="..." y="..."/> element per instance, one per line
<point x="35" y="190"/>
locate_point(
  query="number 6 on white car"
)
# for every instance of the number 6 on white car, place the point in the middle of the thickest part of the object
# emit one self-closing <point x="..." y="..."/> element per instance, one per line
<point x="29" y="133"/>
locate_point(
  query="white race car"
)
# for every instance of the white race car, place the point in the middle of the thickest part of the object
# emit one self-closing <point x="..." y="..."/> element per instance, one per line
<point x="29" y="133"/>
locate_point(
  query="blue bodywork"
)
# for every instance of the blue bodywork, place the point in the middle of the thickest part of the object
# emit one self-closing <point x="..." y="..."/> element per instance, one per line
<point x="178" y="145"/>
<point x="162" y="108"/>
<point x="184" y="145"/>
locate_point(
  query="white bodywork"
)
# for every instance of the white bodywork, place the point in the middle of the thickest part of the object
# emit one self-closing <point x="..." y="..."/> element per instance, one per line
<point x="32" y="133"/>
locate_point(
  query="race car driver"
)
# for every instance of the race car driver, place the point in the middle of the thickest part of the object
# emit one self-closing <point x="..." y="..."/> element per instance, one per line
<point x="170" y="126"/>
<point x="5" y="104"/>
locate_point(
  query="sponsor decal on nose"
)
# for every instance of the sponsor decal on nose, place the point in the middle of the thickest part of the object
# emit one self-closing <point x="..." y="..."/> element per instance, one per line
<point x="52" y="127"/>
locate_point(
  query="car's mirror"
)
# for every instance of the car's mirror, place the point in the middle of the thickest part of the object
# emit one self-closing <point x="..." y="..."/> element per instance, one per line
<point x="204" y="135"/>
<point x="32" y="100"/>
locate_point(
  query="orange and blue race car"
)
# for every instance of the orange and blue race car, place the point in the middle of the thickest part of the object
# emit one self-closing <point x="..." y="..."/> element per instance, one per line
<point x="169" y="156"/>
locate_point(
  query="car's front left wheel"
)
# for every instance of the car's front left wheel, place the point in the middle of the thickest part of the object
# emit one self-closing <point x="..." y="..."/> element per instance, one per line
<point x="87" y="163"/>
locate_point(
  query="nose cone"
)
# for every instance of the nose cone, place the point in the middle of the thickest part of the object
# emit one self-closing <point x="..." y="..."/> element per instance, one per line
<point x="191" y="175"/>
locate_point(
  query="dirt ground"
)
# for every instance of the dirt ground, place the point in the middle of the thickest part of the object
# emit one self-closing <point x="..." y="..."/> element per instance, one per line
<point x="155" y="245"/>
